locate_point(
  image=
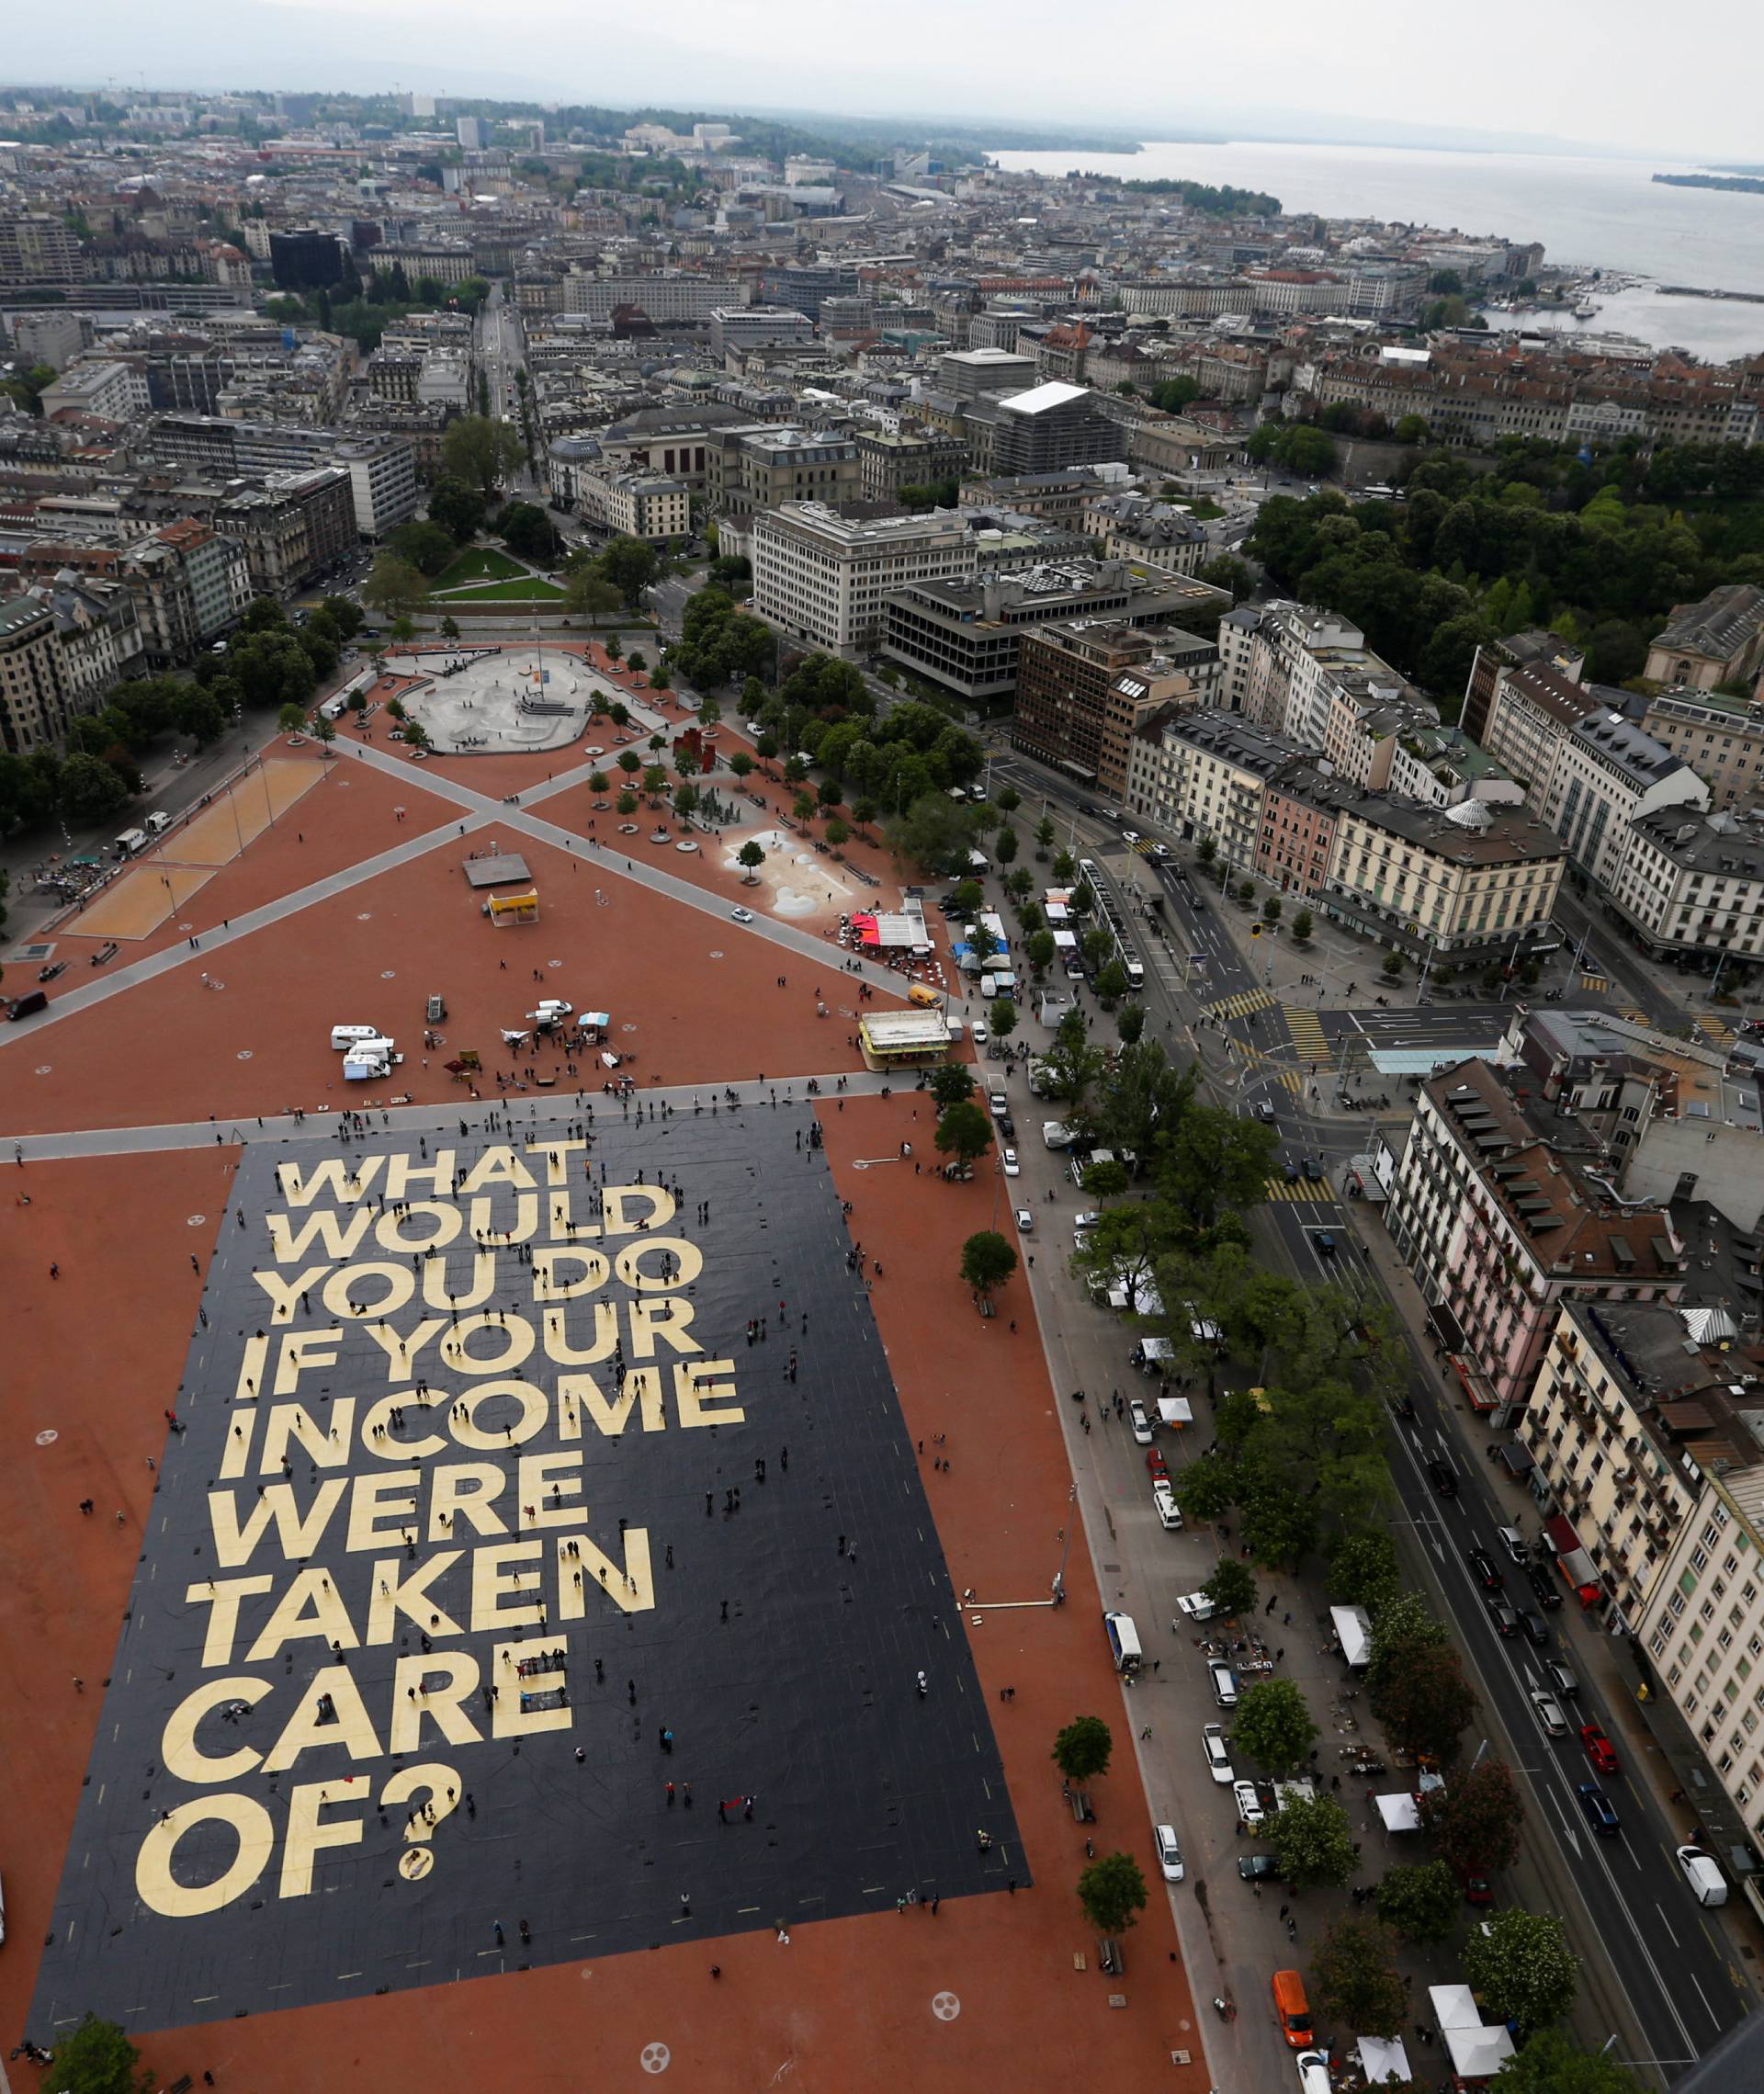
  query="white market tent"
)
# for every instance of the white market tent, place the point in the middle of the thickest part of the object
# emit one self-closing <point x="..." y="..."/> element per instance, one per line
<point x="1381" y="2059"/>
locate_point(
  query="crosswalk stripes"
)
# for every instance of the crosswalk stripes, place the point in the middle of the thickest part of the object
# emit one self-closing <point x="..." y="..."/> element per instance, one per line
<point x="1716" y="1031"/>
<point x="1141" y="849"/>
<point x="1240" y="1005"/>
<point x="1302" y="1191"/>
<point x="1634" y="1016"/>
<point x="1308" y="1036"/>
<point x="1594" y="984"/>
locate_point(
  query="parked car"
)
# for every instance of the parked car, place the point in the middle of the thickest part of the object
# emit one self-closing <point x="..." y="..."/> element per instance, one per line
<point x="1138" y="1423"/>
<point x="1599" y="1748"/>
<point x="1532" y="1628"/>
<point x="1259" y="1868"/>
<point x="1251" y="1815"/>
<point x="1155" y="1464"/>
<point x="1163" y="1502"/>
<point x="1547" y="1590"/>
<point x="1196" y="1606"/>
<point x="1169" y="1852"/>
<point x="1560" y="1678"/>
<point x="1012" y="1169"/>
<point x="1218" y="1754"/>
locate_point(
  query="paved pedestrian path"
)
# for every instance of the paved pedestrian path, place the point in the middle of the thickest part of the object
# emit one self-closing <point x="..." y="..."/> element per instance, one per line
<point x="515" y="1106"/>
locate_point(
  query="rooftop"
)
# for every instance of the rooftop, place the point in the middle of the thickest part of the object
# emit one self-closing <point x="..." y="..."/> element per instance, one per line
<point x="1719" y="626"/>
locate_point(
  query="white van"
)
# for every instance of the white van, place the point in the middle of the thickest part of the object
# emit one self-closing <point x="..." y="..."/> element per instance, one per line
<point x="1708" y="1886"/>
<point x="130" y="842"/>
<point x="343" y="1038"/>
<point x="1124" y="1642"/>
<point x="1224" y="1685"/>
<point x="157" y="824"/>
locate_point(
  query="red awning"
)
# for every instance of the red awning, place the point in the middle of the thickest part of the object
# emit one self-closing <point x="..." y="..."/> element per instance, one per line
<point x="865" y="928"/>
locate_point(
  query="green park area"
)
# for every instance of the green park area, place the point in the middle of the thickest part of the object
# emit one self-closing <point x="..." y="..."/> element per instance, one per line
<point x="530" y="589"/>
<point x="478" y="563"/>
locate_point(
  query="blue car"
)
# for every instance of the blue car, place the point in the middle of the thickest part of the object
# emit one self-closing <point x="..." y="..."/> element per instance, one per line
<point x="1597" y="1806"/>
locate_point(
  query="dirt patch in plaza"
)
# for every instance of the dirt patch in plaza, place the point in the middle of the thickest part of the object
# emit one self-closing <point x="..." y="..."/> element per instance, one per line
<point x="699" y="996"/>
<point x="350" y="814"/>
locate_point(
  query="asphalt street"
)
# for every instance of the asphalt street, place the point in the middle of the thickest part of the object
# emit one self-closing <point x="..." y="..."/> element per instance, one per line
<point x="1661" y="1973"/>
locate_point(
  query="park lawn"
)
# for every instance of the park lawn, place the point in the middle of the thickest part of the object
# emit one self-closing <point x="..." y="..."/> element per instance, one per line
<point x="529" y="589"/>
<point x="478" y="563"/>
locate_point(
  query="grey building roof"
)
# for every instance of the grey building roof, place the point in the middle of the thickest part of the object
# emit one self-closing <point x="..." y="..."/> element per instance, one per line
<point x="1719" y="626"/>
<point x="1705" y="842"/>
<point x="1626" y="747"/>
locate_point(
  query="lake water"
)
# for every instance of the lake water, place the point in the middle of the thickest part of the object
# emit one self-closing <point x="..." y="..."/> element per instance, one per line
<point x="1596" y="212"/>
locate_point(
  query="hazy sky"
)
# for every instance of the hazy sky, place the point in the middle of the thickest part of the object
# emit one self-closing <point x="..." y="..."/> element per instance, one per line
<point x="1679" y="82"/>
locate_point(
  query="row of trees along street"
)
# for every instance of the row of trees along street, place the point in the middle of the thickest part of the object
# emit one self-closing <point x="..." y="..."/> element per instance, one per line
<point x="1298" y="1459"/>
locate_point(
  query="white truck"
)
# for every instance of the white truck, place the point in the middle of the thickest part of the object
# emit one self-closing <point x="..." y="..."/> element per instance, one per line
<point x="130" y="842"/>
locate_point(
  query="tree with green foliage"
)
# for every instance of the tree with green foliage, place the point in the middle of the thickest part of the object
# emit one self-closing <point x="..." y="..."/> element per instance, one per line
<point x="951" y="1083"/>
<point x="932" y="834"/>
<point x="1225" y="570"/>
<point x="1274" y="1725"/>
<point x="98" y="2058"/>
<point x="456" y="508"/>
<point x="988" y="1259"/>
<point x="528" y="532"/>
<point x="1215" y="1161"/>
<point x="966" y="1133"/>
<point x="630" y="565"/>
<point x="1363" y="1571"/>
<point x="426" y="547"/>
<point x="1303" y="926"/>
<point x="1551" y="2063"/>
<point x="1175" y="393"/>
<point x="91" y="789"/>
<point x="1421" y="1902"/>
<point x="750" y="857"/>
<point x="344" y="614"/>
<point x="291" y="718"/>
<point x="1111" y="983"/>
<point x="394" y="587"/>
<point x="1112" y="1893"/>
<point x="480" y="451"/>
<point x="1520" y="1967"/>
<point x="1415" y="1682"/>
<point x="1232" y="1587"/>
<point x="588" y="593"/>
<point x="1313" y="1843"/>
<point x="1130" y="1023"/>
<point x="1083" y="1749"/>
<point x="1475" y="1820"/>
<point x="1041" y="951"/>
<point x="1354" y="1978"/>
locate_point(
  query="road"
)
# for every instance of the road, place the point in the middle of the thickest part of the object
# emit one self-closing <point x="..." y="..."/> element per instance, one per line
<point x="1654" y="1956"/>
<point x="502" y="352"/>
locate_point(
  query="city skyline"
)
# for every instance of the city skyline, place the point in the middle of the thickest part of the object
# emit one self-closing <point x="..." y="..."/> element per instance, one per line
<point x="1300" y="81"/>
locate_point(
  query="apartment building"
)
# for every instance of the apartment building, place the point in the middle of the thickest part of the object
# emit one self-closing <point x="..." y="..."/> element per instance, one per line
<point x="742" y="327"/>
<point x="1066" y="714"/>
<point x="382" y="481"/>
<point x="890" y="460"/>
<point x="1608" y="773"/>
<point x="664" y="297"/>
<point x="216" y="587"/>
<point x="1624" y="1414"/>
<point x="35" y="706"/>
<point x="628" y="501"/>
<point x="966" y="375"/>
<point x="1202" y="775"/>
<point x="1295" y="841"/>
<point x="1501" y="1226"/>
<point x="825" y="578"/>
<point x="1287" y="665"/>
<point x="1469" y="883"/>
<point x="751" y="469"/>
<point x="1692" y="884"/>
<point x="1518" y="650"/>
<point x="1703" y="1626"/>
<point x="39" y="248"/>
<point x="98" y="632"/>
<point x="1721" y="737"/>
<point x="1529" y="712"/>
<point x="116" y="391"/>
<point x="1046" y="429"/>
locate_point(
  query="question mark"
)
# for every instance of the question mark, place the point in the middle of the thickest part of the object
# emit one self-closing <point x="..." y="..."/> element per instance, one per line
<point x="440" y="1788"/>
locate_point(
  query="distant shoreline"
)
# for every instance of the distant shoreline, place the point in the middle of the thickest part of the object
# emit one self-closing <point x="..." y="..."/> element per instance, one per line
<point x="1751" y="185"/>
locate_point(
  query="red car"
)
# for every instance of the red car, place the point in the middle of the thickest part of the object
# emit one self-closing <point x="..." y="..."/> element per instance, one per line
<point x="1477" y="1889"/>
<point x="1599" y="1748"/>
<point x="1155" y="1464"/>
